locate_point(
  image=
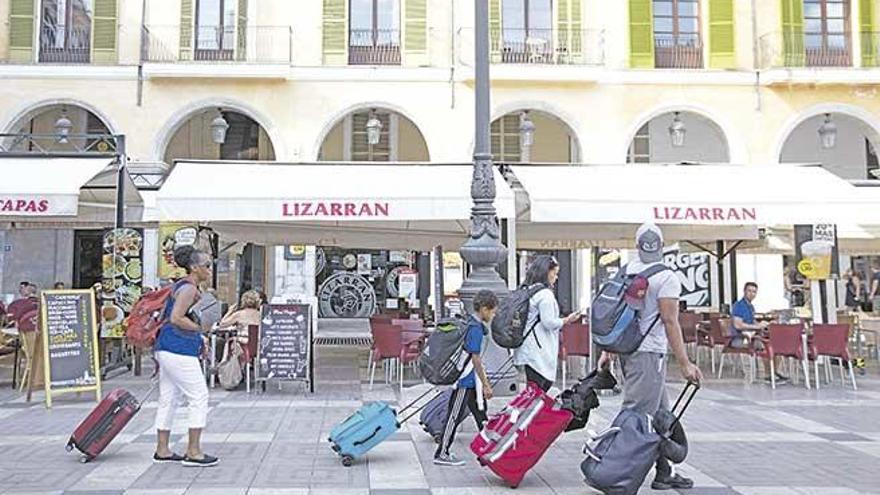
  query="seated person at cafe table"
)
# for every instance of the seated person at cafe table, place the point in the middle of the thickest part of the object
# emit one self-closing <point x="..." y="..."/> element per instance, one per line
<point x="743" y="327"/>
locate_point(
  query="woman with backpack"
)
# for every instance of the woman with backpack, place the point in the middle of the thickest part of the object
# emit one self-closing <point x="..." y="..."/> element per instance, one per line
<point x="540" y="351"/>
<point x="177" y="351"/>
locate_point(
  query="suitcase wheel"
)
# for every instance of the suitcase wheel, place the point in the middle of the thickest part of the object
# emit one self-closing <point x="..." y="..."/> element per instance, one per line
<point x="84" y="459"/>
<point x="347" y="460"/>
<point x="68" y="447"/>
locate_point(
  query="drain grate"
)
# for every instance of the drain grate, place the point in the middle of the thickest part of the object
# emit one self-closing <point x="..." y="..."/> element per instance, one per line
<point x="343" y="341"/>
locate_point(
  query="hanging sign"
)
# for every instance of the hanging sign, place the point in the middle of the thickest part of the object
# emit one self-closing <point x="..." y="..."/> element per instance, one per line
<point x="816" y="251"/>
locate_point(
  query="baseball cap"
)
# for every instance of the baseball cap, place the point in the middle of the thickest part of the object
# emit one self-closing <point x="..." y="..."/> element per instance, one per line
<point x="649" y="240"/>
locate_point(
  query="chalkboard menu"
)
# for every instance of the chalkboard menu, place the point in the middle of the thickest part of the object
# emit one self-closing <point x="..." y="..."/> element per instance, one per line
<point x="70" y="342"/>
<point x="285" y="342"/>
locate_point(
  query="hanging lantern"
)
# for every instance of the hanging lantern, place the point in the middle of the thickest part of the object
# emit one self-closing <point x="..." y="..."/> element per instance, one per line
<point x="62" y="127"/>
<point x="828" y="133"/>
<point x="374" y="129"/>
<point x="219" y="126"/>
<point x="526" y="131"/>
<point x="677" y="131"/>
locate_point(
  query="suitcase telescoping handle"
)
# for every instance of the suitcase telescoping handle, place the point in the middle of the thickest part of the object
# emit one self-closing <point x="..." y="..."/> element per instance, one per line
<point x="690" y="390"/>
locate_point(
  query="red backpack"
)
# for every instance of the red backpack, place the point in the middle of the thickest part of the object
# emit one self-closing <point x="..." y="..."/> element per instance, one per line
<point x="147" y="317"/>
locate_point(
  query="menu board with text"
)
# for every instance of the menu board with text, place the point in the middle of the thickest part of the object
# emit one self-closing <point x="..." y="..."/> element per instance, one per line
<point x="285" y="348"/>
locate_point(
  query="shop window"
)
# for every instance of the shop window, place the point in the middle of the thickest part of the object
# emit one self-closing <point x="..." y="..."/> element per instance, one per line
<point x="215" y="29"/>
<point x="505" y="139"/>
<point x="677" y="42"/>
<point x="374" y="32"/>
<point x="65" y="31"/>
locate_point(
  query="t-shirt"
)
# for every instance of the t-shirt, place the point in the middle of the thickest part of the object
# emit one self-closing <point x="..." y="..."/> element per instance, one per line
<point x="663" y="285"/>
<point x="473" y="344"/>
<point x="744" y="310"/>
<point x="20" y="307"/>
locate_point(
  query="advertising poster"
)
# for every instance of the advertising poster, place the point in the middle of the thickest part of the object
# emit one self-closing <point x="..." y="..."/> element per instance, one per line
<point x="122" y="278"/>
<point x="816" y="251"/>
<point x="172" y="235"/>
<point x="694" y="272"/>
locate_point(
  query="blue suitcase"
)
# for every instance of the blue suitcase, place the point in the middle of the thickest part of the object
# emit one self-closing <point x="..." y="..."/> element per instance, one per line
<point x="433" y="417"/>
<point x="363" y="430"/>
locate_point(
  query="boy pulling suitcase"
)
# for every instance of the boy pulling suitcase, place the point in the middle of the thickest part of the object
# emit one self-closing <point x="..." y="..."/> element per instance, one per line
<point x="468" y="392"/>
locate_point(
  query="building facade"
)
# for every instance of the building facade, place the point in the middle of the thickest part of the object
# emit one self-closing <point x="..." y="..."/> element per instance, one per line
<point x="749" y="82"/>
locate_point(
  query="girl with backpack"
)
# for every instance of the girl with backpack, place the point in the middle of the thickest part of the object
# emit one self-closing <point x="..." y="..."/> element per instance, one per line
<point x="177" y="351"/>
<point x="539" y="353"/>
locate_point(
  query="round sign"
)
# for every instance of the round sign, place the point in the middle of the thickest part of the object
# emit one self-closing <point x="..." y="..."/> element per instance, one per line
<point x="346" y="295"/>
<point x="392" y="281"/>
<point x="320" y="261"/>
<point x="349" y="261"/>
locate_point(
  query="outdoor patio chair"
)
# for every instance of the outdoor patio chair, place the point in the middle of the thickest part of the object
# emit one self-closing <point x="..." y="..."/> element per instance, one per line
<point x="688" y="322"/>
<point x="862" y="332"/>
<point x="721" y="330"/>
<point x="786" y="341"/>
<point x="388" y="345"/>
<point x="574" y="341"/>
<point x="249" y="355"/>
<point x="830" y="341"/>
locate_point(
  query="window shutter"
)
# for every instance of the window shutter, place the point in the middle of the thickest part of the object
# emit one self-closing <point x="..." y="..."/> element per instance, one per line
<point x="21" y="31"/>
<point x="495" y="34"/>
<point x="576" y="33"/>
<point x="793" y="33"/>
<point x="186" y="30"/>
<point x="866" y="28"/>
<point x="569" y="36"/>
<point x="641" y="35"/>
<point x="241" y="29"/>
<point x="361" y="151"/>
<point x="415" y="41"/>
<point x="335" y="32"/>
<point x="722" y="48"/>
<point x="505" y="139"/>
<point x="104" y="32"/>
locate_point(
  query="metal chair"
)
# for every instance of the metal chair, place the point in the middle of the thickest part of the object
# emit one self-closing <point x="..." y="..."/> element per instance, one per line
<point x="830" y="341"/>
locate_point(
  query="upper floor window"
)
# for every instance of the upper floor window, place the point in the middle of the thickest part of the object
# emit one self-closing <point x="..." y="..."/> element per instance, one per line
<point x="374" y="32"/>
<point x="826" y="33"/>
<point x="527" y="31"/>
<point x="677" y="42"/>
<point x="215" y="29"/>
<point x="65" y="31"/>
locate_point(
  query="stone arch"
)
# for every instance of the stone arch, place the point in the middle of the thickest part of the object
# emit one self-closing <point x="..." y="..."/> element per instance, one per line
<point x="562" y="117"/>
<point x="31" y="110"/>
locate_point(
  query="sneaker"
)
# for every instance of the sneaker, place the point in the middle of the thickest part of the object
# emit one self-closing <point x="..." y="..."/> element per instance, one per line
<point x="170" y="459"/>
<point x="780" y="380"/>
<point x="205" y="461"/>
<point x="675" y="482"/>
<point x="448" y="460"/>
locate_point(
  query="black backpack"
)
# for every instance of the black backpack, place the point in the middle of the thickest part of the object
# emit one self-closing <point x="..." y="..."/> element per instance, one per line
<point x="509" y="324"/>
<point x="444" y="358"/>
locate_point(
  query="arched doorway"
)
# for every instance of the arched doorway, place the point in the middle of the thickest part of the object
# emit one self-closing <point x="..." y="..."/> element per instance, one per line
<point x="843" y="144"/>
<point x="679" y="136"/>
<point x="219" y="134"/>
<point x="374" y="135"/>
<point x="533" y="136"/>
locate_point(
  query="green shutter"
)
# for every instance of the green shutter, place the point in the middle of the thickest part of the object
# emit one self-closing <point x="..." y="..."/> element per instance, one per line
<point x="335" y="32"/>
<point x="105" y="32"/>
<point x="495" y="35"/>
<point x="415" y="41"/>
<point x="241" y="30"/>
<point x="641" y="34"/>
<point x="186" y="30"/>
<point x="866" y="28"/>
<point x="21" y="31"/>
<point x="569" y="36"/>
<point x="793" y="33"/>
<point x="722" y="48"/>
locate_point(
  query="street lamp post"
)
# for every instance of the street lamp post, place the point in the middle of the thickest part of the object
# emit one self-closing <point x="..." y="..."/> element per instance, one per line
<point x="483" y="249"/>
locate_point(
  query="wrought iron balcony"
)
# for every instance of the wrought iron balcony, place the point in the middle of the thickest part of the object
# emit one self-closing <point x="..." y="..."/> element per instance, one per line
<point x="537" y="46"/>
<point x="252" y="45"/>
<point x="678" y="53"/>
<point x="65" y="44"/>
<point x="800" y="49"/>
<point x="374" y="47"/>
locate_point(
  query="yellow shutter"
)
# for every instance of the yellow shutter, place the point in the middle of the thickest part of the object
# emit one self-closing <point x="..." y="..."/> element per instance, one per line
<point x="793" y="33"/>
<point x="186" y="30"/>
<point x="241" y="30"/>
<point x="415" y="25"/>
<point x="21" y="31"/>
<point x="722" y="47"/>
<point x="495" y="35"/>
<point x="105" y="32"/>
<point x="866" y="28"/>
<point x="335" y="32"/>
<point x="576" y="30"/>
<point x="569" y="31"/>
<point x="641" y="34"/>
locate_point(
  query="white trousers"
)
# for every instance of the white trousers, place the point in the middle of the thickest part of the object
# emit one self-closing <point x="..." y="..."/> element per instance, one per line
<point x="181" y="381"/>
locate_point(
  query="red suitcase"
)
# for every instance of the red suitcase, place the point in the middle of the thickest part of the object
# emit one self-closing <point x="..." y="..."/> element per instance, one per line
<point x="514" y="440"/>
<point x="102" y="425"/>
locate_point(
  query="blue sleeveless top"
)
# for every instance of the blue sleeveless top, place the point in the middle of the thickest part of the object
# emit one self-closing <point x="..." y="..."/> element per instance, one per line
<point x="173" y="339"/>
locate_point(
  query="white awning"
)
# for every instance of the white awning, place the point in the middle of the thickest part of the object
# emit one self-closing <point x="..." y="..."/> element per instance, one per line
<point x="46" y="189"/>
<point x="413" y="206"/>
<point x="692" y="202"/>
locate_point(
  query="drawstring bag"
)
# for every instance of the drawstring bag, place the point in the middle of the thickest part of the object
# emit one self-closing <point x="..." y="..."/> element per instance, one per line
<point x="229" y="370"/>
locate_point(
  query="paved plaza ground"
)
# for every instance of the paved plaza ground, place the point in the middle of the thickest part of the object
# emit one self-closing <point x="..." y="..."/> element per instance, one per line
<point x="745" y="439"/>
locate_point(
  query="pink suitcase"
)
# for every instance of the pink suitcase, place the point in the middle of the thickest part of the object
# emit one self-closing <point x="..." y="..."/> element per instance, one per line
<point x="102" y="425"/>
<point x="515" y="439"/>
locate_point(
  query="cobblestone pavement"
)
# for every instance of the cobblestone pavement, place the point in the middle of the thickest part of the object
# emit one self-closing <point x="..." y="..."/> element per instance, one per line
<point x="745" y="439"/>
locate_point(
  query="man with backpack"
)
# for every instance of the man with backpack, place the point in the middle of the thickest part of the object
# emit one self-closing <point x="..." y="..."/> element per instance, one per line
<point x="468" y="392"/>
<point x="644" y="370"/>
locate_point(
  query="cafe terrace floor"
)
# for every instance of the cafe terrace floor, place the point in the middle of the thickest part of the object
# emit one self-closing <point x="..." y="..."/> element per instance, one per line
<point x="745" y="439"/>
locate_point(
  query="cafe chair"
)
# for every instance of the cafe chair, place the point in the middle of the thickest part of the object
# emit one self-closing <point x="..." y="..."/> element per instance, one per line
<point x="387" y="345"/>
<point x="574" y="341"/>
<point x="720" y="329"/>
<point x="688" y="322"/>
<point x="830" y="341"/>
<point x="249" y="355"/>
<point x="787" y="341"/>
<point x="28" y="331"/>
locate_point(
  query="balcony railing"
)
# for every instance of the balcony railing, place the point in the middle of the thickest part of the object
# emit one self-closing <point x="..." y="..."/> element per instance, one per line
<point x="253" y="45"/>
<point x="537" y="46"/>
<point x="680" y="53"/>
<point x="64" y="44"/>
<point x="799" y="49"/>
<point x="374" y="47"/>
